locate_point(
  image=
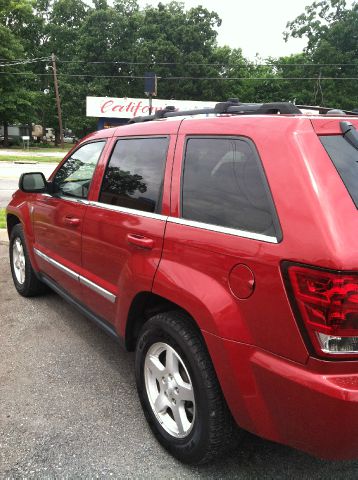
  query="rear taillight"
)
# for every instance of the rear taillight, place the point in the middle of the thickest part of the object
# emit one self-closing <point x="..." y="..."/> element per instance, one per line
<point x="328" y="305"/>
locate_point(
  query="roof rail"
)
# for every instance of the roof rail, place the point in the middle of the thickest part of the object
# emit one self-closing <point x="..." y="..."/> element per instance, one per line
<point x="325" y="110"/>
<point x="232" y="106"/>
<point x="169" y="111"/>
<point x="284" y="108"/>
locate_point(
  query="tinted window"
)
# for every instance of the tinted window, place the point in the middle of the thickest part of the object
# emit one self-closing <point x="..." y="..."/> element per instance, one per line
<point x="345" y="158"/>
<point x="224" y="185"/>
<point x="134" y="175"/>
<point x="75" y="175"/>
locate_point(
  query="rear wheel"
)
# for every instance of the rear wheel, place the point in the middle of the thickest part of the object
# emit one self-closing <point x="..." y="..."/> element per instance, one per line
<point x="179" y="391"/>
<point x="23" y="275"/>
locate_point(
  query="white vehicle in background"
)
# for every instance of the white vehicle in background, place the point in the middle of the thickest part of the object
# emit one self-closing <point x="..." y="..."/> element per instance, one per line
<point x="70" y="139"/>
<point x="49" y="135"/>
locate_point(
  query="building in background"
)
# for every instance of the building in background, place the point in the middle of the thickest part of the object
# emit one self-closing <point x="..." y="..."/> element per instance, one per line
<point x="112" y="112"/>
<point x="15" y="133"/>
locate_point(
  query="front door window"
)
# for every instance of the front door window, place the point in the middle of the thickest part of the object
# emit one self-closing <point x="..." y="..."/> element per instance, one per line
<point x="74" y="177"/>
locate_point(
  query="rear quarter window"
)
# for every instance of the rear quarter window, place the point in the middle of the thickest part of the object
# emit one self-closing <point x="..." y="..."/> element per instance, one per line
<point x="345" y="158"/>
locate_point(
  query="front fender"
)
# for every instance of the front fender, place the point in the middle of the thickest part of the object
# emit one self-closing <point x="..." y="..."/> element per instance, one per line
<point x="20" y="207"/>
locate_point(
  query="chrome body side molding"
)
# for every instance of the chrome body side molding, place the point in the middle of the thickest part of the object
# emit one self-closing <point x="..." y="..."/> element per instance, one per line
<point x="88" y="283"/>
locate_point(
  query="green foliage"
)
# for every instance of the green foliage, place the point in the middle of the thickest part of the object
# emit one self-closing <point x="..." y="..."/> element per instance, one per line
<point x="104" y="46"/>
<point x="2" y="218"/>
<point x="16" y="100"/>
<point x="332" y="32"/>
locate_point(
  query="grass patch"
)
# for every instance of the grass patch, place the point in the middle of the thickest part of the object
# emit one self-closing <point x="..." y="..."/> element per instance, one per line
<point x="2" y="218"/>
<point x="31" y="158"/>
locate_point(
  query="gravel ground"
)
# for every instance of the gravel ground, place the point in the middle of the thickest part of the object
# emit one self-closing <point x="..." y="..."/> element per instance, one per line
<point x="69" y="409"/>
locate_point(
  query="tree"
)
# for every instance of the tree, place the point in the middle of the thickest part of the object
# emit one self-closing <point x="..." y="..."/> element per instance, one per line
<point x="16" y="100"/>
<point x="176" y="43"/>
<point x="331" y="29"/>
<point x="62" y="32"/>
<point x="17" y="84"/>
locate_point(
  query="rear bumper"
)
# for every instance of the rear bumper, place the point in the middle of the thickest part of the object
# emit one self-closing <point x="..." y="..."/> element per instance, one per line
<point x="312" y="407"/>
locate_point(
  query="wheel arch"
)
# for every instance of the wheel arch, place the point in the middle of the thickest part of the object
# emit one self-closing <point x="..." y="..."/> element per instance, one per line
<point x="144" y="306"/>
<point x="11" y="221"/>
<point x="20" y="215"/>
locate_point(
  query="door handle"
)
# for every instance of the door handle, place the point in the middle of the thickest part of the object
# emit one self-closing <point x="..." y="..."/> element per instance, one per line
<point x="72" y="221"/>
<point x="140" y="241"/>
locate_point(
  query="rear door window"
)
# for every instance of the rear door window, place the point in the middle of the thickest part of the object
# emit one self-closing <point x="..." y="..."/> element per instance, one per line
<point x="224" y="185"/>
<point x="345" y="158"/>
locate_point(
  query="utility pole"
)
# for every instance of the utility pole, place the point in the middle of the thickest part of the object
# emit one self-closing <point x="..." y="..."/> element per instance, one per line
<point x="58" y="100"/>
<point x="150" y="103"/>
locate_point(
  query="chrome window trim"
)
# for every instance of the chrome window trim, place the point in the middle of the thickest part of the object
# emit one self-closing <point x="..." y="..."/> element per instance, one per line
<point x="83" y="280"/>
<point x="69" y="199"/>
<point x="227" y="230"/>
<point x="73" y="199"/>
<point x="129" y="211"/>
<point x="190" y="223"/>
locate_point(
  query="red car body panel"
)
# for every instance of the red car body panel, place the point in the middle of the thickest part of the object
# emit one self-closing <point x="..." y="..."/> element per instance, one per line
<point x="271" y="382"/>
<point x="312" y="407"/>
<point x="56" y="237"/>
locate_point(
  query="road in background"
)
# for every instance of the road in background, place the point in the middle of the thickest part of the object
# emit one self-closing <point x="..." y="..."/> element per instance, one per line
<point x="10" y="173"/>
<point x="26" y="153"/>
<point x="69" y="407"/>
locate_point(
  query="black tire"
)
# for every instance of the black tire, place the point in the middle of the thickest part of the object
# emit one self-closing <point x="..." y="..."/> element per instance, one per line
<point x="31" y="285"/>
<point x="212" y="426"/>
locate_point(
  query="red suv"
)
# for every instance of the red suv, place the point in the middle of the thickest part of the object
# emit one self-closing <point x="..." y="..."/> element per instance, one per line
<point x="221" y="245"/>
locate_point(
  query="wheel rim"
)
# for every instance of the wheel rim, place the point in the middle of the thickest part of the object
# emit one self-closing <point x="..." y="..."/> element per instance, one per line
<point x="18" y="260"/>
<point x="169" y="389"/>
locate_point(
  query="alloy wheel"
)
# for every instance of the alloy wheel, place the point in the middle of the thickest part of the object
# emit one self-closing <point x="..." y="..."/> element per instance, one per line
<point x="18" y="260"/>
<point x="169" y="389"/>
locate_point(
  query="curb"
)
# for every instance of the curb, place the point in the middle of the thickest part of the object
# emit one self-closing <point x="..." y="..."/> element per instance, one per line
<point x="4" y="240"/>
<point x="25" y="162"/>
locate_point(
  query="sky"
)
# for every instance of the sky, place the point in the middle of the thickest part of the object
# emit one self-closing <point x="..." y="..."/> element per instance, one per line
<point x="255" y="26"/>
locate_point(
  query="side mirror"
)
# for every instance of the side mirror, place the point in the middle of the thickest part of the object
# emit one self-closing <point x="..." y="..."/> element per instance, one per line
<point x="33" y="182"/>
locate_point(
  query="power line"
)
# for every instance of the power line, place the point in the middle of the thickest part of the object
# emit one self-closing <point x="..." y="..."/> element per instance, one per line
<point x="215" y="64"/>
<point x="12" y="63"/>
<point x="134" y="77"/>
<point x="24" y="59"/>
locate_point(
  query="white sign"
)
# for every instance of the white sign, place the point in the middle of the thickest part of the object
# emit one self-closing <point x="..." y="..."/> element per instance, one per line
<point x="132" y="107"/>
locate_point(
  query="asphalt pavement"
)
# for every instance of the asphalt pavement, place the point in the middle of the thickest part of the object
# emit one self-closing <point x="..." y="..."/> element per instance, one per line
<point x="69" y="408"/>
<point x="10" y="173"/>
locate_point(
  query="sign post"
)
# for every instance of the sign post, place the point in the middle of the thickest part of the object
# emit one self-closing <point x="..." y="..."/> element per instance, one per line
<point x="150" y="88"/>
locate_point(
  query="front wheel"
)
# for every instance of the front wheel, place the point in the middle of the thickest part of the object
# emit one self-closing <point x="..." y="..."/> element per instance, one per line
<point x="179" y="391"/>
<point x="23" y="275"/>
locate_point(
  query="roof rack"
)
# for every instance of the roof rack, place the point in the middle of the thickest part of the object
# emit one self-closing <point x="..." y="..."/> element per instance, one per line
<point x="233" y="106"/>
<point x="325" y="110"/>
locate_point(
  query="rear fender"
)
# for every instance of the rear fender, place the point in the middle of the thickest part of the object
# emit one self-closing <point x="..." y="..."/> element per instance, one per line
<point x="210" y="304"/>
